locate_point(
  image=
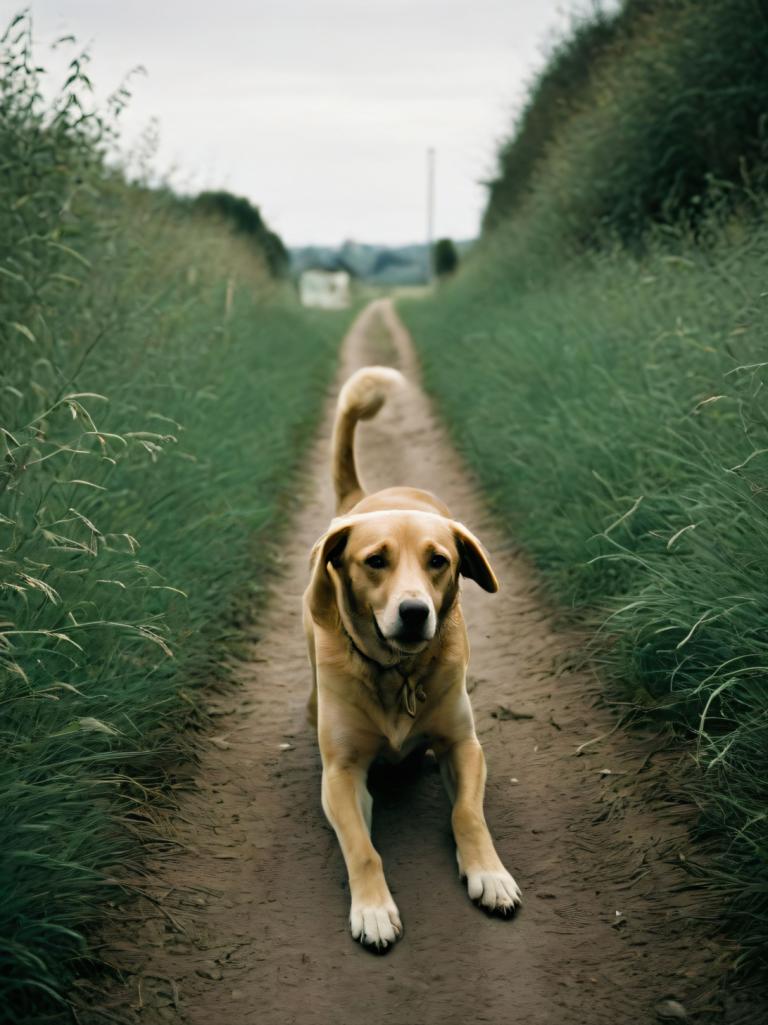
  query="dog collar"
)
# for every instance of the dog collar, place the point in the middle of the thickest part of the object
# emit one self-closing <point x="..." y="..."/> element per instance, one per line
<point x="409" y="692"/>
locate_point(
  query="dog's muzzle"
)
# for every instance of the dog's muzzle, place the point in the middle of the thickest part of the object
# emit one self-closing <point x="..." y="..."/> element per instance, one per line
<point x="413" y="619"/>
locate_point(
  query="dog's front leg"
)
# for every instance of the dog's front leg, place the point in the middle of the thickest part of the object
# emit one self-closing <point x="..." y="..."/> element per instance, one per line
<point x="374" y="918"/>
<point x="488" y="882"/>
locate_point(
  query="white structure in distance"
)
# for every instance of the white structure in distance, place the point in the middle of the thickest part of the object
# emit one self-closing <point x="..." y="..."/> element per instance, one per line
<point x="325" y="289"/>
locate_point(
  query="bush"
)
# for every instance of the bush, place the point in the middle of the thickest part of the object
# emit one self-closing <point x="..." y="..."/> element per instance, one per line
<point x="445" y="258"/>
<point x="247" y="220"/>
<point x="639" y="116"/>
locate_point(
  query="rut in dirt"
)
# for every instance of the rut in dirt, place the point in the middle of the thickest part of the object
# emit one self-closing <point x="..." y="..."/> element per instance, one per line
<point x="254" y="925"/>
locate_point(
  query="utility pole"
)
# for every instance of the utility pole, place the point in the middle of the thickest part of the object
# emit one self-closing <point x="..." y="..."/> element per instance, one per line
<point x="430" y="211"/>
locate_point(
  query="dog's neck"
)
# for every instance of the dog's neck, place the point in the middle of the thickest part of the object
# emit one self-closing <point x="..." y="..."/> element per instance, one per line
<point x="394" y="683"/>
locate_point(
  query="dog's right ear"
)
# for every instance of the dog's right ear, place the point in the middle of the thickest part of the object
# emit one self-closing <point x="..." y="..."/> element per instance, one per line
<point x="321" y="594"/>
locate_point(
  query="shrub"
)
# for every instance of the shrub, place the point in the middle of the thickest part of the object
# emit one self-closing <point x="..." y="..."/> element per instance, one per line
<point x="445" y="258"/>
<point x="639" y="116"/>
<point x="247" y="220"/>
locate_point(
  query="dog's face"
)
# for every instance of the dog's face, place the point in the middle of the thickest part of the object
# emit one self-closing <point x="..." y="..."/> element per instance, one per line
<point x="392" y="577"/>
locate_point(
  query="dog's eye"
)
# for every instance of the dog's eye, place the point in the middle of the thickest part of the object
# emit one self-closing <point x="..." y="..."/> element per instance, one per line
<point x="437" y="561"/>
<point x="376" y="561"/>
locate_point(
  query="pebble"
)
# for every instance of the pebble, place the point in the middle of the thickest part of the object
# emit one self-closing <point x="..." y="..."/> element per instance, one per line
<point x="671" y="1010"/>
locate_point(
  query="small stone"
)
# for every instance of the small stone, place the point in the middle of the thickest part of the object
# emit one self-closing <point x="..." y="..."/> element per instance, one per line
<point x="286" y="747"/>
<point x="671" y="1010"/>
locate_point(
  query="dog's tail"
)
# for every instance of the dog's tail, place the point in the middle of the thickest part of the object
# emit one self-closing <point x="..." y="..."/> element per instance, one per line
<point x="361" y="398"/>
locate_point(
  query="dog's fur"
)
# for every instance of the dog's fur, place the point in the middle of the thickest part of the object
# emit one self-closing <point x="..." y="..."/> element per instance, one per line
<point x="389" y="652"/>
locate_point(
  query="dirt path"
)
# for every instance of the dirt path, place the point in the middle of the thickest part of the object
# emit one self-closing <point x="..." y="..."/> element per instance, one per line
<point x="606" y="932"/>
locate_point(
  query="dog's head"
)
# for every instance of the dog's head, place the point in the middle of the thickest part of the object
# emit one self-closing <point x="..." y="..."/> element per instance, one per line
<point x="391" y="578"/>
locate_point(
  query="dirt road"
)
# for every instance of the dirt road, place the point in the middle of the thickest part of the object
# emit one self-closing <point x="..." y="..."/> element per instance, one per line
<point x="611" y="931"/>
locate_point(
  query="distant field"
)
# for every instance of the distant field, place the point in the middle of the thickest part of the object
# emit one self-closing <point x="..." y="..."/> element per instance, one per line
<point x="378" y="265"/>
<point x="157" y="388"/>
<point x="603" y="368"/>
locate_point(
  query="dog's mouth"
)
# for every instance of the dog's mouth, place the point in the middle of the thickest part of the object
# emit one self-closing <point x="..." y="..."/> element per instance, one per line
<point x="400" y="644"/>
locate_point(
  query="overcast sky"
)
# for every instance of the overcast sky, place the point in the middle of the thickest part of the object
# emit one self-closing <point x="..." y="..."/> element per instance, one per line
<point x="320" y="111"/>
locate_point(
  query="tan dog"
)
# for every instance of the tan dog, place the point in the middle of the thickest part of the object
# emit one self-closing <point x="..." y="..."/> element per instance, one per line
<point x="389" y="651"/>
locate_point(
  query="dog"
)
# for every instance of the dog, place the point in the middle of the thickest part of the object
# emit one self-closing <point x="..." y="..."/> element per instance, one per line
<point x="388" y="649"/>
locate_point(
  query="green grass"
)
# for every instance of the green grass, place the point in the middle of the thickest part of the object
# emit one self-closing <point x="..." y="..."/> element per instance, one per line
<point x="601" y="359"/>
<point x="615" y="411"/>
<point x="157" y="389"/>
<point x="637" y="116"/>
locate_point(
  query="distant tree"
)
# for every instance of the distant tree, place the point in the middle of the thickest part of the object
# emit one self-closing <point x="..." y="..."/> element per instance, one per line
<point x="277" y="255"/>
<point x="246" y="219"/>
<point x="445" y="258"/>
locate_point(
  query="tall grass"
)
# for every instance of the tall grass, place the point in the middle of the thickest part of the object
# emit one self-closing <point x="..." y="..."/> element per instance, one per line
<point x="618" y="421"/>
<point x="636" y="117"/>
<point x="156" y="389"/>
<point x="601" y="359"/>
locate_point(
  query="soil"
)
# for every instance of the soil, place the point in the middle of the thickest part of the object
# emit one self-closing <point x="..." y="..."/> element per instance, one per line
<point x="249" y="920"/>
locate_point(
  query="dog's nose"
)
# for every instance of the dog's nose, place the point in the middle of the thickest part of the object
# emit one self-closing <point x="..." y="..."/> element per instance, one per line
<point x="413" y="614"/>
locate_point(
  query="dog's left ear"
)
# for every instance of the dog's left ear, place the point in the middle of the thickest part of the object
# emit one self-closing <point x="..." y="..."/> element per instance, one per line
<point x="473" y="560"/>
<point x="321" y="593"/>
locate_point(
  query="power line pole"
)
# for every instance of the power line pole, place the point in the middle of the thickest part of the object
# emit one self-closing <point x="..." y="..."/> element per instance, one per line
<point x="430" y="211"/>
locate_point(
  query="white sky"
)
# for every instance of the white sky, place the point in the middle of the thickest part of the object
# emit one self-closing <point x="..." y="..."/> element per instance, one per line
<point x="320" y="111"/>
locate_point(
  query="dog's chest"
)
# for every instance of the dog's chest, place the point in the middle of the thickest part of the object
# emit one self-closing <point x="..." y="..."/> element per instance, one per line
<point x="401" y="738"/>
<point x="398" y="712"/>
<point x="400" y="733"/>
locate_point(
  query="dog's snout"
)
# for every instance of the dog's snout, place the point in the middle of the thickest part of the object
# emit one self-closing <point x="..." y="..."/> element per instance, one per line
<point x="413" y="613"/>
<point x="412" y="623"/>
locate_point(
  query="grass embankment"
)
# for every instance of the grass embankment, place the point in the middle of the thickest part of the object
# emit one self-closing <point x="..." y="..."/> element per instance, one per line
<point x="157" y="386"/>
<point x="612" y="402"/>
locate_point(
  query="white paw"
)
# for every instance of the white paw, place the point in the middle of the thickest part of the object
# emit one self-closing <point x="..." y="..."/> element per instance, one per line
<point x="495" y="892"/>
<point x="376" y="926"/>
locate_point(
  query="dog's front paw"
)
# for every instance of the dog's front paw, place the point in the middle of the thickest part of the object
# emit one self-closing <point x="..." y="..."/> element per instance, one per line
<point x="376" y="926"/>
<point x="494" y="891"/>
